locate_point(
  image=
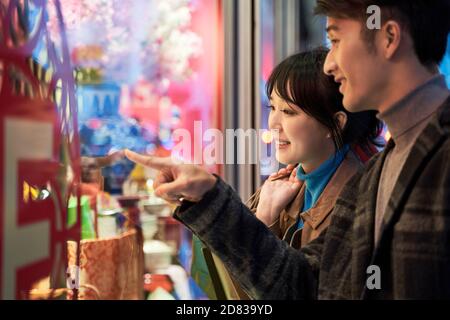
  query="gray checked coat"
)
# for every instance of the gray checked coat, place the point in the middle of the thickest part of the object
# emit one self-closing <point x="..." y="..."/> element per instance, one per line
<point x="413" y="254"/>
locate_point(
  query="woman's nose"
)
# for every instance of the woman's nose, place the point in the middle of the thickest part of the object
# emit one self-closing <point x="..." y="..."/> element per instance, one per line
<point x="275" y="121"/>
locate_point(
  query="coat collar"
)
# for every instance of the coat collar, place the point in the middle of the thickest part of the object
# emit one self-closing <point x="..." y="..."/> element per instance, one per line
<point x="325" y="204"/>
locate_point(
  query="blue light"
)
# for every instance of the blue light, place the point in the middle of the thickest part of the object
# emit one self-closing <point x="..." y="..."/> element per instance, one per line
<point x="445" y="65"/>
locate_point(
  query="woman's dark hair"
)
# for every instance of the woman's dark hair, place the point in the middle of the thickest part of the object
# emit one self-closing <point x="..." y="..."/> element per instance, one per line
<point x="300" y="81"/>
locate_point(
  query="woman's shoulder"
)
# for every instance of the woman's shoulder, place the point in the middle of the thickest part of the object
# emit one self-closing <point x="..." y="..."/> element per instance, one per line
<point x="351" y="164"/>
<point x="350" y="168"/>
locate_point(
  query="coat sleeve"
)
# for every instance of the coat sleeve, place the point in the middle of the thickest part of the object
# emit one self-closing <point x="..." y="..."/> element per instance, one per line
<point x="265" y="266"/>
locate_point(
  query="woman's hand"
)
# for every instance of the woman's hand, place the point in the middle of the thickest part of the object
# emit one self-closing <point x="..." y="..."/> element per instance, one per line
<point x="276" y="193"/>
<point x="176" y="181"/>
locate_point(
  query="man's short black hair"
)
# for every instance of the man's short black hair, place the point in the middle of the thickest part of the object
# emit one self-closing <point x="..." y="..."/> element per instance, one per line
<point x="427" y="21"/>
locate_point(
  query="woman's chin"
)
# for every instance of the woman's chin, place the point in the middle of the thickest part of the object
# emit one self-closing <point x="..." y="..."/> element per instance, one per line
<point x="284" y="159"/>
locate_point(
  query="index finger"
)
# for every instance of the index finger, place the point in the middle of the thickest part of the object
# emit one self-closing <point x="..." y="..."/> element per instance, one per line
<point x="148" y="161"/>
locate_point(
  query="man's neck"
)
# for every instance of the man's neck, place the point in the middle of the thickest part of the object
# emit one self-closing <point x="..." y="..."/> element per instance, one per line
<point x="403" y="82"/>
<point x="405" y="118"/>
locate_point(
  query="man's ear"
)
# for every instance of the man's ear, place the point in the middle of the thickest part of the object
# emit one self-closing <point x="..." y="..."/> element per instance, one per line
<point x="391" y="37"/>
<point x="341" y="119"/>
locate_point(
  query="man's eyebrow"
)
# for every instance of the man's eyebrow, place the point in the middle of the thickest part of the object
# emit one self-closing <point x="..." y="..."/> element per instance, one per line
<point x="332" y="28"/>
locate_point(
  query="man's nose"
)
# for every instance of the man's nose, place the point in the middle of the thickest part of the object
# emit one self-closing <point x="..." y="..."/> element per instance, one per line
<point x="330" y="66"/>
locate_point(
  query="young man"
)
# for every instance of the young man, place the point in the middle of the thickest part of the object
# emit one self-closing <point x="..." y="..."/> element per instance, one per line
<point x="391" y="238"/>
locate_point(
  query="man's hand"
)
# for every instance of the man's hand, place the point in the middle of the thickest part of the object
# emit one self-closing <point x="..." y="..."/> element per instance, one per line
<point x="176" y="182"/>
<point x="277" y="192"/>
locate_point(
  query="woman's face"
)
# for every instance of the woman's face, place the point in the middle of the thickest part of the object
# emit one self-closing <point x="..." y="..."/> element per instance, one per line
<point x="299" y="138"/>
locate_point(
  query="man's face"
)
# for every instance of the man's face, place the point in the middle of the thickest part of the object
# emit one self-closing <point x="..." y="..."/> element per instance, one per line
<point x="359" y="71"/>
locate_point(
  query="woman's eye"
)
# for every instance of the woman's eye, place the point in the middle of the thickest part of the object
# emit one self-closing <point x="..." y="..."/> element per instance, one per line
<point x="288" y="112"/>
<point x="285" y="111"/>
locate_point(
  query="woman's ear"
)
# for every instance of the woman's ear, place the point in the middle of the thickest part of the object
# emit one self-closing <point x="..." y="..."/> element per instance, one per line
<point x="341" y="119"/>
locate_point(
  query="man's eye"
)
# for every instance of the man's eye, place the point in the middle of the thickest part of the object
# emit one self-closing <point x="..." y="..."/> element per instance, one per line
<point x="334" y="41"/>
<point x="270" y="107"/>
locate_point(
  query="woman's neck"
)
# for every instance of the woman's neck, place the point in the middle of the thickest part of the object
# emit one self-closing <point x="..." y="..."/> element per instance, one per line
<point x="314" y="162"/>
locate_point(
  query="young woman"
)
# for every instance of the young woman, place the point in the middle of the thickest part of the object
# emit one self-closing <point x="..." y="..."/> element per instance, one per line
<point x="322" y="145"/>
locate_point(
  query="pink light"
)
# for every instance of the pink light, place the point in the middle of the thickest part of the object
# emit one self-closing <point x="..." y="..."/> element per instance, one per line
<point x="94" y="124"/>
